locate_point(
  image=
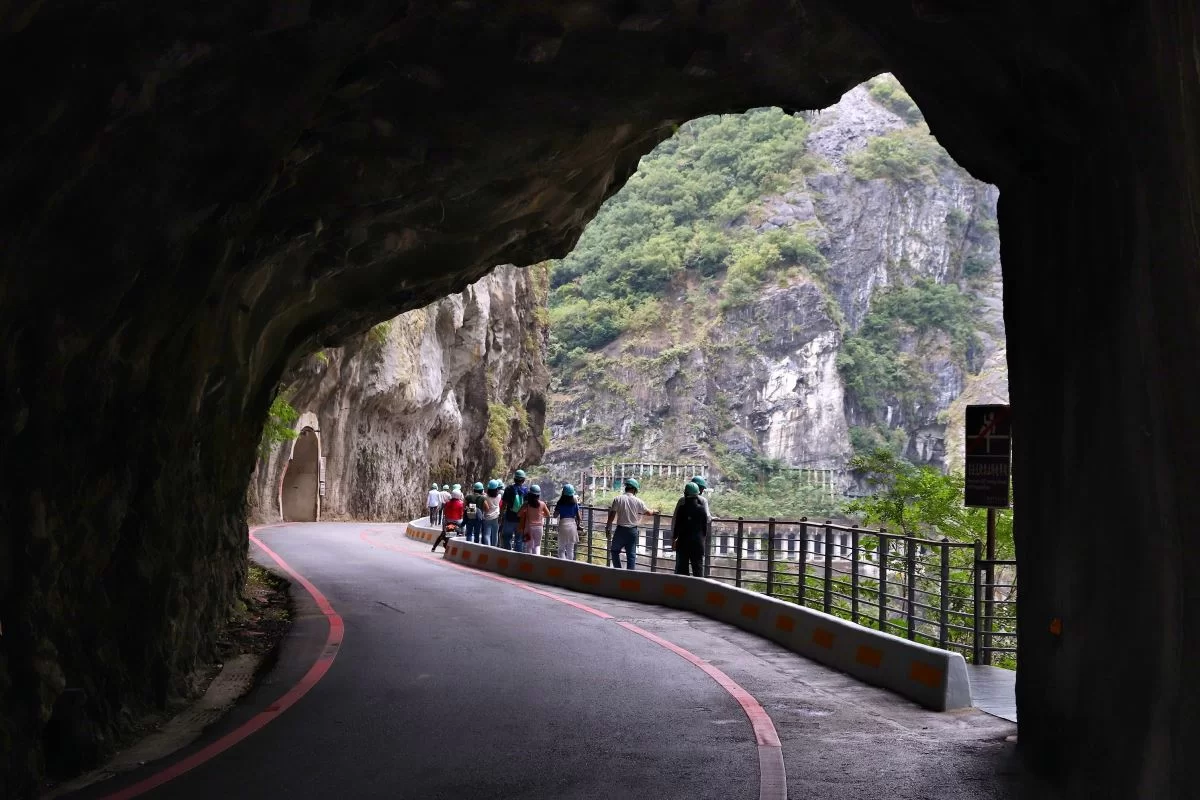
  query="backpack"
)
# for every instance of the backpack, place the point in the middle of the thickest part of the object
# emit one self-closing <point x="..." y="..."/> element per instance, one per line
<point x="518" y="501"/>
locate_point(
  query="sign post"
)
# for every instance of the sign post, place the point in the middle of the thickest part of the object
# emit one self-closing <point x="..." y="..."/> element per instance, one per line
<point x="989" y="464"/>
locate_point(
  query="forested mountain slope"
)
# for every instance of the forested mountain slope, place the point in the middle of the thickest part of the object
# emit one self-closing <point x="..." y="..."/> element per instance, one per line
<point x="784" y="287"/>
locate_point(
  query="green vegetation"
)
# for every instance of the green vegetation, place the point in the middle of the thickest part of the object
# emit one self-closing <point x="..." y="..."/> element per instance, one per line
<point x="673" y="221"/>
<point x="922" y="501"/>
<point x="881" y="364"/>
<point x="278" y="427"/>
<point x="888" y="92"/>
<point x="905" y="155"/>
<point x="378" y="335"/>
<point x="498" y="431"/>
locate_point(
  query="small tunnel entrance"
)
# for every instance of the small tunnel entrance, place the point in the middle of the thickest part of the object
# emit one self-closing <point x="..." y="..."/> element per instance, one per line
<point x="299" y="495"/>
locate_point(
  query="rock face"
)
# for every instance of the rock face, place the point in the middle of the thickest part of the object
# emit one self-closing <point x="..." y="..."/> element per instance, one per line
<point x="419" y="398"/>
<point x="197" y="193"/>
<point x="764" y="379"/>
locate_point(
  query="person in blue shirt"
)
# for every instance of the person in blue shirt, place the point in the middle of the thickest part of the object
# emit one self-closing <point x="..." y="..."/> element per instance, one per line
<point x="567" y="511"/>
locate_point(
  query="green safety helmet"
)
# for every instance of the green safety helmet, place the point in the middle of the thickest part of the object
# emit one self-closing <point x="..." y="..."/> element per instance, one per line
<point x="631" y="483"/>
<point x="690" y="489"/>
<point x="434" y="487"/>
<point x="494" y="484"/>
<point x="568" y="490"/>
<point x="535" y="490"/>
<point x="700" y="482"/>
<point x="520" y="475"/>
<point x="445" y="487"/>
<point x="478" y="486"/>
<point x="456" y="487"/>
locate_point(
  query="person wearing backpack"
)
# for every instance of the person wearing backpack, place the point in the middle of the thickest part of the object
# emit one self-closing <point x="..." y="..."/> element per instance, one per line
<point x="491" y="513"/>
<point x="689" y="525"/>
<point x="531" y="520"/>
<point x="474" y="512"/>
<point x="567" y="511"/>
<point x="510" y="506"/>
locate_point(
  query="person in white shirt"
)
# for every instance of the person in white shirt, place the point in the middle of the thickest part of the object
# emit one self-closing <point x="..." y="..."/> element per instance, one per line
<point x="626" y="512"/>
<point x="435" y="505"/>
<point x="491" y="512"/>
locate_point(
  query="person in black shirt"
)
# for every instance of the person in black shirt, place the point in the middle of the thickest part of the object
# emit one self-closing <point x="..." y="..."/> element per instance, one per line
<point x="689" y="524"/>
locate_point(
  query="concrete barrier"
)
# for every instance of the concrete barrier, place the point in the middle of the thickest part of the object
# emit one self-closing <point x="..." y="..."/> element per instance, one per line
<point x="936" y="679"/>
<point x="423" y="531"/>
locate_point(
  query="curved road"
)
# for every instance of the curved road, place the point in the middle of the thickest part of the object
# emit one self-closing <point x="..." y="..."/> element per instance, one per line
<point x="449" y="684"/>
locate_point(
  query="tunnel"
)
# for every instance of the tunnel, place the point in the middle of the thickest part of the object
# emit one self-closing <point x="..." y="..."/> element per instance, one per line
<point x="299" y="498"/>
<point x="197" y="195"/>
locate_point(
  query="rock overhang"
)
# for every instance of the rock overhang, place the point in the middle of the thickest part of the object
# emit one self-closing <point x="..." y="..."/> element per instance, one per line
<point x="194" y="195"/>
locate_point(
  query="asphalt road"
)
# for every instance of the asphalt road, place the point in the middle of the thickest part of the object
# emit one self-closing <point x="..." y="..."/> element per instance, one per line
<point x="452" y="685"/>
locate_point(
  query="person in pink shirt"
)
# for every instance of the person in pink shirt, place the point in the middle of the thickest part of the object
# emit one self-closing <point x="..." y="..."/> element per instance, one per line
<point x="531" y="520"/>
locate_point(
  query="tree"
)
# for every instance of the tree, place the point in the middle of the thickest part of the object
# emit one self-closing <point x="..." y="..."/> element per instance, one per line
<point x="921" y="501"/>
<point x="278" y="427"/>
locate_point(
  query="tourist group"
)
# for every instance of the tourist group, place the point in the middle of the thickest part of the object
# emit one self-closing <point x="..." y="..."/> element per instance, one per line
<point x="515" y="518"/>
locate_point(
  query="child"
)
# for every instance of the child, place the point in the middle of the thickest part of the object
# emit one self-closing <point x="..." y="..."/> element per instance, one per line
<point x="531" y="520"/>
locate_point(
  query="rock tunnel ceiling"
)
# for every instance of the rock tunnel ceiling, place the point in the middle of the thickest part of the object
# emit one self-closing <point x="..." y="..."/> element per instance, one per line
<point x="194" y="194"/>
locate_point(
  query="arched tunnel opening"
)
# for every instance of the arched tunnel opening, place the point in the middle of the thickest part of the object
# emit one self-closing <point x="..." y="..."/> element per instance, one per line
<point x="300" y="497"/>
<point x="191" y="205"/>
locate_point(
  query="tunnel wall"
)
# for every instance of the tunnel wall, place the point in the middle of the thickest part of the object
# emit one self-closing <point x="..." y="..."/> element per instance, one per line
<point x="195" y="195"/>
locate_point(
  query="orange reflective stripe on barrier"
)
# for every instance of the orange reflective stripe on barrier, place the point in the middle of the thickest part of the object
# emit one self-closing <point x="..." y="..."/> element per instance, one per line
<point x="590" y="578"/>
<point x="554" y="572"/>
<point x="871" y="656"/>
<point x="823" y="638"/>
<point x="926" y="674"/>
<point x="785" y="623"/>
<point x="715" y="599"/>
<point x="526" y="567"/>
<point x="750" y="610"/>
<point x="675" y="589"/>
<point x="630" y="585"/>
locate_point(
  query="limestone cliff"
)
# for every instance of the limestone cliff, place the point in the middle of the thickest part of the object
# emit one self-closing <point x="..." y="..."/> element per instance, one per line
<point x="798" y="367"/>
<point x="451" y="391"/>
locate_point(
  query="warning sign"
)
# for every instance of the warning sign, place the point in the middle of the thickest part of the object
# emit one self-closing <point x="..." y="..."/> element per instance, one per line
<point x="989" y="455"/>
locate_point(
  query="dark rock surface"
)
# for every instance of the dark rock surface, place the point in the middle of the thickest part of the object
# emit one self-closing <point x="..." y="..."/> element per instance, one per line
<point x="196" y="193"/>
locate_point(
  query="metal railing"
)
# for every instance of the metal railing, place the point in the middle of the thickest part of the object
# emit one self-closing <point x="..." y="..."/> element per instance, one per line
<point x="925" y="590"/>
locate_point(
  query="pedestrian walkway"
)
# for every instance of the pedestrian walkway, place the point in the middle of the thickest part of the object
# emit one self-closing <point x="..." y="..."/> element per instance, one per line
<point x="994" y="690"/>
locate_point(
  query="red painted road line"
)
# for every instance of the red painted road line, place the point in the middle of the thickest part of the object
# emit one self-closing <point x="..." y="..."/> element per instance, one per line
<point x="317" y="671"/>
<point x="772" y="775"/>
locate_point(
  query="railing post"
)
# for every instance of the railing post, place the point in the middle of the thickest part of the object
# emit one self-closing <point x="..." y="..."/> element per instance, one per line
<point x="884" y="544"/>
<point x="977" y="644"/>
<point x="590" y="511"/>
<point x="854" y="574"/>
<point x="654" y="542"/>
<point x="944" y="602"/>
<point x="828" y="566"/>
<point x="708" y="548"/>
<point x="911" y="576"/>
<point x="737" y="541"/>
<point x="803" y="561"/>
<point x="770" y="555"/>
